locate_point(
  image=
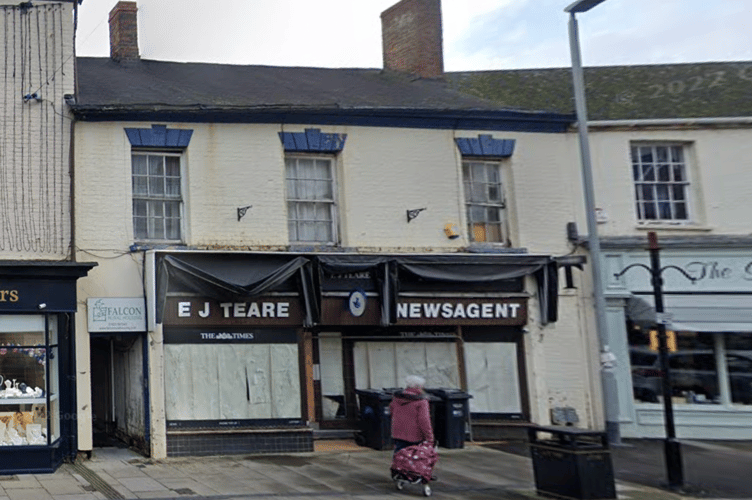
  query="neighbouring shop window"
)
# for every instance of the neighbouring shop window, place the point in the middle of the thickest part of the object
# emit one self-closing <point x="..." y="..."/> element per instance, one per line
<point x="225" y="382"/>
<point x="706" y="368"/>
<point x="485" y="201"/>
<point x="380" y="365"/>
<point x="659" y="172"/>
<point x="157" y="196"/>
<point x="311" y="207"/>
<point x="29" y="390"/>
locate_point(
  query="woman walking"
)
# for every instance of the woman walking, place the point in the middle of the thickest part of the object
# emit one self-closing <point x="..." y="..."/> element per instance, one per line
<point x="412" y="435"/>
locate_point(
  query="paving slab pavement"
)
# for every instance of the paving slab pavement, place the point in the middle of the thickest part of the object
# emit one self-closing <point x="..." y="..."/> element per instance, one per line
<point x="343" y="471"/>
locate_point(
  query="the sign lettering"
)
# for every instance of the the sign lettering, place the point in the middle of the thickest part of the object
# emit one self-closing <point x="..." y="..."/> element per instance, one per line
<point x="716" y="271"/>
<point x="8" y="295"/>
<point x="449" y="310"/>
<point x="239" y="310"/>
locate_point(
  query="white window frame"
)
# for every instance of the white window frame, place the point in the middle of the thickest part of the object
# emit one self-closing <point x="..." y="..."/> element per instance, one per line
<point x="165" y="198"/>
<point x="671" y="183"/>
<point x="502" y="205"/>
<point x="331" y="203"/>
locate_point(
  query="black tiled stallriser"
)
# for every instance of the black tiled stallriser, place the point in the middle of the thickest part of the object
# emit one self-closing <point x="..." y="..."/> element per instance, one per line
<point x="202" y="444"/>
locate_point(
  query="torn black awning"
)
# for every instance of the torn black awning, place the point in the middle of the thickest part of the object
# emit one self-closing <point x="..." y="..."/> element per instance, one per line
<point x="379" y="268"/>
<point x="244" y="276"/>
<point x="491" y="270"/>
<point x="237" y="276"/>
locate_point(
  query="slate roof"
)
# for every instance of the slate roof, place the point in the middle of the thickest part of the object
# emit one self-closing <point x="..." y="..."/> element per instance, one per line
<point x="102" y="82"/>
<point x="693" y="90"/>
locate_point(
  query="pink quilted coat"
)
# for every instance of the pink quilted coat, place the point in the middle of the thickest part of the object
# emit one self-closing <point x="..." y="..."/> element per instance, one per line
<point x="411" y="420"/>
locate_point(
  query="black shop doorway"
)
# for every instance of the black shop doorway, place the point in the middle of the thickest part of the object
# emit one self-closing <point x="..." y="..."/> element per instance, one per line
<point x="118" y="390"/>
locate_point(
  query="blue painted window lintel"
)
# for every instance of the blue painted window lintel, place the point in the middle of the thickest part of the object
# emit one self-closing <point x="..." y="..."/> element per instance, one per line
<point x="312" y="141"/>
<point x="485" y="146"/>
<point x="159" y="136"/>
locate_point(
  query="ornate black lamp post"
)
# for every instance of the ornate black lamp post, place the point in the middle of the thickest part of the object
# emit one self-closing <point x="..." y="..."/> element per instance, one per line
<point x="672" y="447"/>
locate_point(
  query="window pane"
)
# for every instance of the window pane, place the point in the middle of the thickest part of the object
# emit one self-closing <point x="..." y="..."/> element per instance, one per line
<point x="663" y="173"/>
<point x="661" y="191"/>
<point x="678" y="171"/>
<point x="172" y="187"/>
<point x="172" y="165"/>
<point x="648" y="173"/>
<point x="478" y="172"/>
<point x="646" y="154"/>
<point x="139" y="208"/>
<point x="680" y="211"/>
<point x="305" y="168"/>
<point x="139" y="228"/>
<point x="172" y="210"/>
<point x="493" y="174"/>
<point x="649" y="211"/>
<point x="156" y="165"/>
<point x="140" y="185"/>
<point x="139" y="164"/>
<point x="476" y="213"/>
<point x="494" y="193"/>
<point x="321" y="170"/>
<point x="636" y="173"/>
<point x="662" y="154"/>
<point x="156" y="208"/>
<point x="158" y="226"/>
<point x="479" y="232"/>
<point x="493" y="232"/>
<point x="678" y="192"/>
<point x="677" y="154"/>
<point x="647" y="192"/>
<point x="664" y="208"/>
<point x="478" y="192"/>
<point x="172" y="228"/>
<point x="493" y="215"/>
<point x="292" y="190"/>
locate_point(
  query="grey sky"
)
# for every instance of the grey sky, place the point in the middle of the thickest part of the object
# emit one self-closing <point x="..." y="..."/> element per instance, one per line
<point x="478" y="34"/>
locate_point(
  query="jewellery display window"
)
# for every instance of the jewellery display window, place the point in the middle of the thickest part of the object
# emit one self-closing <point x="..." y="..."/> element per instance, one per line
<point x="29" y="383"/>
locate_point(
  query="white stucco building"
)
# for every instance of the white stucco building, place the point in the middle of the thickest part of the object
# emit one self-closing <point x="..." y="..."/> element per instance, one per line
<point x="670" y="151"/>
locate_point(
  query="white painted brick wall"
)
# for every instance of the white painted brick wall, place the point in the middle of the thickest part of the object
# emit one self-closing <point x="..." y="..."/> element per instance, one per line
<point x="382" y="172"/>
<point x="34" y="134"/>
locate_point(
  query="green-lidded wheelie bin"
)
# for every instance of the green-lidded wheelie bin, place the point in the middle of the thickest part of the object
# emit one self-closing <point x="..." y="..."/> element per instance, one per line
<point x="451" y="414"/>
<point x="571" y="463"/>
<point x="374" y="418"/>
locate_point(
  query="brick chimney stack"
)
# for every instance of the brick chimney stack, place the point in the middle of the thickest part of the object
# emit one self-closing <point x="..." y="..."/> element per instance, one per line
<point x="124" y="32"/>
<point x="411" y="38"/>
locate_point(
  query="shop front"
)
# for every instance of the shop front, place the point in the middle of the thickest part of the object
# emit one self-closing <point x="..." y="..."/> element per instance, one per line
<point x="709" y="326"/>
<point x="37" y="365"/>
<point x="259" y="349"/>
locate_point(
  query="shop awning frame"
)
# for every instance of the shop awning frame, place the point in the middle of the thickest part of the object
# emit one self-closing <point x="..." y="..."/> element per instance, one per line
<point x="246" y="276"/>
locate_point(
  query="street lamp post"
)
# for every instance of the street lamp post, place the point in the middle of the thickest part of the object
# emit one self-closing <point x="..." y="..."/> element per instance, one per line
<point x="610" y="396"/>
<point x="671" y="447"/>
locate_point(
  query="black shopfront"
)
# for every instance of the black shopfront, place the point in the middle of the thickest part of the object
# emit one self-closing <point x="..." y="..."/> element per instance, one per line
<point x="294" y="336"/>
<point x="38" y="428"/>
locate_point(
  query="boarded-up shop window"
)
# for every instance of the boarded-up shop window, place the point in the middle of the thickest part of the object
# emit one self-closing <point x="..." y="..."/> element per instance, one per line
<point x="232" y="381"/>
<point x="386" y="364"/>
<point x="492" y="377"/>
